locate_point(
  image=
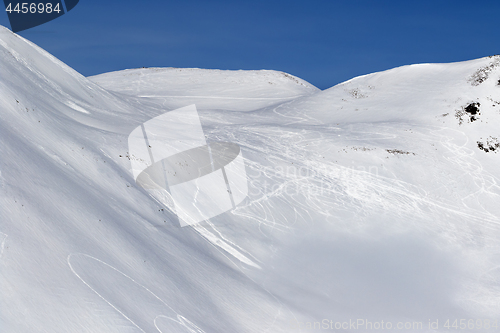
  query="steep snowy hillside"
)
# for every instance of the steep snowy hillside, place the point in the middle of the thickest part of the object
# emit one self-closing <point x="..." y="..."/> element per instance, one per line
<point x="373" y="201"/>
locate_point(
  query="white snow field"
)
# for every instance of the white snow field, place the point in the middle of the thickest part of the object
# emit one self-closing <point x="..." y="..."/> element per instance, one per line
<point x="373" y="205"/>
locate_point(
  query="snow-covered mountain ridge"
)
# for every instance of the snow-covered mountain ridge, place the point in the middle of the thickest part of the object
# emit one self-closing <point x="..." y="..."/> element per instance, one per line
<point x="376" y="199"/>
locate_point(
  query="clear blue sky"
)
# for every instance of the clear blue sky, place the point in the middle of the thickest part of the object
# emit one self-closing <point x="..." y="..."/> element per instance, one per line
<point x="322" y="41"/>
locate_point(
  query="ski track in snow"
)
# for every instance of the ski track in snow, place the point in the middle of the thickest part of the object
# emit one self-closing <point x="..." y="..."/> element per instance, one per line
<point x="161" y="321"/>
<point x="361" y="188"/>
<point x="463" y="158"/>
<point x="303" y="119"/>
<point x="224" y="243"/>
<point x="221" y="243"/>
<point x="121" y="279"/>
<point x="163" y="324"/>
<point x="3" y="238"/>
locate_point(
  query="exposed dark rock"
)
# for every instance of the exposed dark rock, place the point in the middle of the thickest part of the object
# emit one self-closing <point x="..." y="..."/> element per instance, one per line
<point x="483" y="73"/>
<point x="491" y="144"/>
<point x="398" y="151"/>
<point x="471" y="110"/>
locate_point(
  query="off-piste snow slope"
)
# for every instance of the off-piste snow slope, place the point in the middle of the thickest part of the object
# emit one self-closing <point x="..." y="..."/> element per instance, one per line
<point x="374" y="202"/>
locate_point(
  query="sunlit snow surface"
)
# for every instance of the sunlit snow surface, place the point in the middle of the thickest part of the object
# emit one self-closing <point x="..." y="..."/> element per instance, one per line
<point x="367" y="201"/>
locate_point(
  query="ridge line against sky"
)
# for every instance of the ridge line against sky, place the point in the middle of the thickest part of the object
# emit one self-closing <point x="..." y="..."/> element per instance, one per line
<point x="322" y="42"/>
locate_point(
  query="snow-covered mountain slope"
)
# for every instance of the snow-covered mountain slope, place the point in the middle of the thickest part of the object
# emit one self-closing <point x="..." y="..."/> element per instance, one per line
<point x="374" y="200"/>
<point x="232" y="90"/>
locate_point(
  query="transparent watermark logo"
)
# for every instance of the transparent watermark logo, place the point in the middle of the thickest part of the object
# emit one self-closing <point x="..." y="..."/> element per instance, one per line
<point x="171" y="159"/>
<point x="305" y="180"/>
<point x="28" y="14"/>
<point x="364" y="325"/>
